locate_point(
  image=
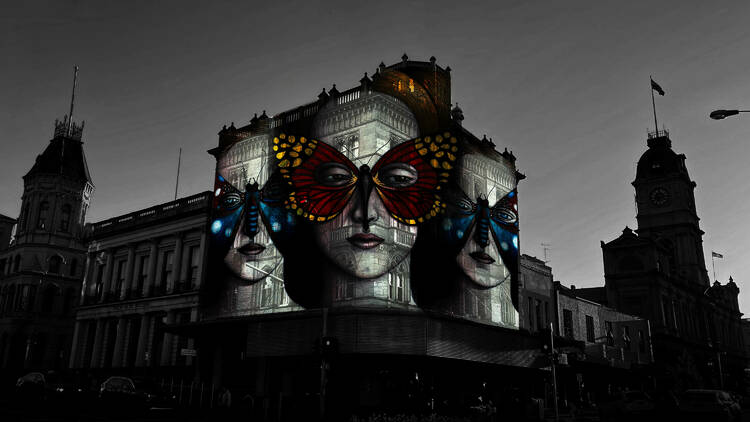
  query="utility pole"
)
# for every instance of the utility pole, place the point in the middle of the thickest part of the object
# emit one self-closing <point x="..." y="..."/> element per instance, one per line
<point x="554" y="373"/>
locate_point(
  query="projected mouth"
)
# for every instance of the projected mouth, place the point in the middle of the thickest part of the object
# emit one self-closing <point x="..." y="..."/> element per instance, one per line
<point x="251" y="249"/>
<point x="482" y="257"/>
<point x="365" y="240"/>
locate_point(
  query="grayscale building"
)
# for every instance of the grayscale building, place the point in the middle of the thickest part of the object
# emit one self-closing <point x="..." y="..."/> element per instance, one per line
<point x="42" y="267"/>
<point x="143" y="272"/>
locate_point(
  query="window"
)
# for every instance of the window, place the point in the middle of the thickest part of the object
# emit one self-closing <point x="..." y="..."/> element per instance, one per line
<point x="99" y="279"/>
<point x="16" y="263"/>
<point x="193" y="265"/>
<point x="530" y="312"/>
<point x="641" y="342"/>
<point x="25" y="214"/>
<point x="610" y="333"/>
<point x="590" y="336"/>
<point x="396" y="286"/>
<point x="142" y="272"/>
<point x="120" y="277"/>
<point x="54" y="264"/>
<point x="2" y="266"/>
<point x="266" y="294"/>
<point x="538" y="314"/>
<point x="48" y="300"/>
<point x="65" y="218"/>
<point x="626" y="337"/>
<point x="567" y="323"/>
<point x="166" y="269"/>
<point x="73" y="267"/>
<point x="41" y="222"/>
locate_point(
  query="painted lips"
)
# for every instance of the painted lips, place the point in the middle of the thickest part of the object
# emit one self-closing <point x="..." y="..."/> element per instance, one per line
<point x="365" y="240"/>
<point x="482" y="257"/>
<point x="251" y="249"/>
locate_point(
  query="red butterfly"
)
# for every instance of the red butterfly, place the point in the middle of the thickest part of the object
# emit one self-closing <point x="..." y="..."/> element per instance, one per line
<point x="408" y="178"/>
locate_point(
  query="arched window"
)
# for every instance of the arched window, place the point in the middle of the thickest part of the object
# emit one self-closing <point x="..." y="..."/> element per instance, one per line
<point x="48" y="299"/>
<point x="65" y="218"/>
<point x="41" y="222"/>
<point x="54" y="264"/>
<point x="25" y="214"/>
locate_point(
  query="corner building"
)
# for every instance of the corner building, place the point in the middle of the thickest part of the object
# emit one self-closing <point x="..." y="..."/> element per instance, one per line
<point x="42" y="268"/>
<point x="658" y="272"/>
<point x="367" y="346"/>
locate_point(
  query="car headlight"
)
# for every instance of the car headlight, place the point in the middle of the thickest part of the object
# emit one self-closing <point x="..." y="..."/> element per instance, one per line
<point x="60" y="389"/>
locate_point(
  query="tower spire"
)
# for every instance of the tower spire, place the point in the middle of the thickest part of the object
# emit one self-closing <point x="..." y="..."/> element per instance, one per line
<point x="72" y="100"/>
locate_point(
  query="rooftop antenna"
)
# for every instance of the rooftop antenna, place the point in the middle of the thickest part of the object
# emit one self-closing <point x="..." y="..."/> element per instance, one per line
<point x="547" y="248"/>
<point x="72" y="100"/>
<point x="177" y="182"/>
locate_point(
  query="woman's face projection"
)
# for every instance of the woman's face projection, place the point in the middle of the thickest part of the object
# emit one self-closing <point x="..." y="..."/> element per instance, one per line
<point x="361" y="213"/>
<point x="489" y="234"/>
<point x="244" y="220"/>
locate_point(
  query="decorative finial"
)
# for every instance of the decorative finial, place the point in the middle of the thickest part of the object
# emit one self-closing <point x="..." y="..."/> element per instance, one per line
<point x="72" y="100"/>
<point x="404" y="58"/>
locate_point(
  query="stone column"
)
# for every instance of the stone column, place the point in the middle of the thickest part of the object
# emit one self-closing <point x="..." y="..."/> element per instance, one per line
<point x="153" y="257"/>
<point x="74" y="352"/>
<point x="119" y="343"/>
<point x="143" y="336"/>
<point x="166" y="345"/>
<point x="96" y="354"/>
<point x="108" y="270"/>
<point x="191" y="341"/>
<point x="130" y="323"/>
<point x="88" y="277"/>
<point x="176" y="262"/>
<point x="125" y="293"/>
<point x="201" y="258"/>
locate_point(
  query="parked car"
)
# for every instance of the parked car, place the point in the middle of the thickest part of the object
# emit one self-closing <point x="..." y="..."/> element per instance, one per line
<point x="152" y="395"/>
<point x="118" y="393"/>
<point x="30" y="387"/>
<point x="626" y="405"/>
<point x="65" y="390"/>
<point x="714" y="405"/>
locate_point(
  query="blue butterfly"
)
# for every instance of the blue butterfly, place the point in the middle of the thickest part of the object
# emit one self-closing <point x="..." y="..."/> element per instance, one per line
<point x="501" y="220"/>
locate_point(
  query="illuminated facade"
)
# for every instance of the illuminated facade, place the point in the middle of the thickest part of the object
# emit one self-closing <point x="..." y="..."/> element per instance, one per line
<point x="307" y="262"/>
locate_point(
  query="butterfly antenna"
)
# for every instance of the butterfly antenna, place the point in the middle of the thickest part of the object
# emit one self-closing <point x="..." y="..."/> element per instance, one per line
<point x="490" y="192"/>
<point x="377" y="151"/>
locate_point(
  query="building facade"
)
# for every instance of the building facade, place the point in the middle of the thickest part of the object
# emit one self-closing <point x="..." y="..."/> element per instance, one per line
<point x="143" y="272"/>
<point x="42" y="268"/>
<point x="658" y="272"/>
<point x="536" y="303"/>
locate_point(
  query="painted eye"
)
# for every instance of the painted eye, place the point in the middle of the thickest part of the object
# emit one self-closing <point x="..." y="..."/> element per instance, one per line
<point x="231" y="200"/>
<point x="398" y="175"/>
<point x="273" y="192"/>
<point x="333" y="175"/>
<point x="465" y="205"/>
<point x="504" y="214"/>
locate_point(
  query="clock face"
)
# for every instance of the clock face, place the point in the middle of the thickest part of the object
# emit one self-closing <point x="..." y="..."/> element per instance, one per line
<point x="659" y="197"/>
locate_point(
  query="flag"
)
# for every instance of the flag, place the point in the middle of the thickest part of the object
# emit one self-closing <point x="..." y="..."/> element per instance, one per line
<point x="716" y="255"/>
<point x="656" y="87"/>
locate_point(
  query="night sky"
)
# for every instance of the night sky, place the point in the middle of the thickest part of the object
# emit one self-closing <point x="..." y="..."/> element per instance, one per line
<point x="564" y="85"/>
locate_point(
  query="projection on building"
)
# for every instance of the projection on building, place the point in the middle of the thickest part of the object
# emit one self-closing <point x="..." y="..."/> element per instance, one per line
<point x="375" y="197"/>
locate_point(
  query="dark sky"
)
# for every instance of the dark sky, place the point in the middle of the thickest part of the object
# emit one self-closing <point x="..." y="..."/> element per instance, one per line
<point x="565" y="85"/>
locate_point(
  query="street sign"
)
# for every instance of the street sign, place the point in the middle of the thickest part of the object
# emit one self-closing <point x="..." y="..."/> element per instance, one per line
<point x="188" y="352"/>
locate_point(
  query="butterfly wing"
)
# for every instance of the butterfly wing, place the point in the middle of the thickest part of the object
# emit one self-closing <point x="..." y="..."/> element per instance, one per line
<point x="504" y="226"/>
<point x="298" y="161"/>
<point x="226" y="208"/>
<point x="434" y="159"/>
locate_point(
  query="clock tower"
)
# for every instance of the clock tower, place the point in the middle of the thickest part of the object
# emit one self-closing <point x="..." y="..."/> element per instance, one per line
<point x="666" y="208"/>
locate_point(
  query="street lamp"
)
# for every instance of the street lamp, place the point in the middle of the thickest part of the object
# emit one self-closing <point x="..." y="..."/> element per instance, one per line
<point x="723" y="114"/>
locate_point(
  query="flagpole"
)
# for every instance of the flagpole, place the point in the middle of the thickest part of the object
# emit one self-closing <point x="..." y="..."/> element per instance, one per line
<point x="653" y="103"/>
<point x="713" y="265"/>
